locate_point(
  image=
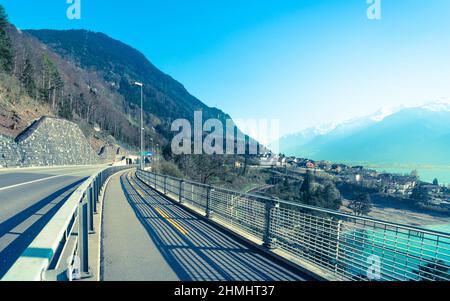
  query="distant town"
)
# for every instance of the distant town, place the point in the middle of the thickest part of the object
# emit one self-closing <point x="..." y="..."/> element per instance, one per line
<point x="431" y="196"/>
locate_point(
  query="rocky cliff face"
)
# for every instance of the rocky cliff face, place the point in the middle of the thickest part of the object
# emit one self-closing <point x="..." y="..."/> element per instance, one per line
<point x="48" y="142"/>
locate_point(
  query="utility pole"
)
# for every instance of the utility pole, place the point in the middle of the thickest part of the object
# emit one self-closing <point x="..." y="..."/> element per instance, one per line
<point x="142" y="125"/>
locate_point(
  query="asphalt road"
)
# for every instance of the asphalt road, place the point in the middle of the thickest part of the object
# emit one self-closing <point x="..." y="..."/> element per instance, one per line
<point x="147" y="237"/>
<point x="28" y="200"/>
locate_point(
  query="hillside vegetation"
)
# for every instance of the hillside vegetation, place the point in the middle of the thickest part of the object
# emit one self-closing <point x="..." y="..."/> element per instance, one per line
<point x="88" y="78"/>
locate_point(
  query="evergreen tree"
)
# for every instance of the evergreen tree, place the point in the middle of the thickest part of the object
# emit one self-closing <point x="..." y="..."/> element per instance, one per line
<point x="308" y="181"/>
<point x="436" y="182"/>
<point x="51" y="82"/>
<point x="27" y="78"/>
<point x="3" y="17"/>
<point x="6" y="53"/>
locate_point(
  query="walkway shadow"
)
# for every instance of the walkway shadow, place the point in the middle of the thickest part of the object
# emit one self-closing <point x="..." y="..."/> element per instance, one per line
<point x="205" y="253"/>
<point x="14" y="250"/>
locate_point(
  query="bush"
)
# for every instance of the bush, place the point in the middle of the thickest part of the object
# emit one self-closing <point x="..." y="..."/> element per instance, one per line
<point x="170" y="169"/>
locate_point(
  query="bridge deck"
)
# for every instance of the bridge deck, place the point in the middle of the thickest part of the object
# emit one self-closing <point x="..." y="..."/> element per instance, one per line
<point x="147" y="237"/>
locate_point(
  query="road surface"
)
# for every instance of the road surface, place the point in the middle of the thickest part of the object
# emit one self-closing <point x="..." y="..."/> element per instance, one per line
<point x="147" y="237"/>
<point x="28" y="200"/>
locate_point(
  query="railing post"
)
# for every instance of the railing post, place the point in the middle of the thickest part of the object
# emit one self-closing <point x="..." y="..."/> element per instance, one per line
<point x="90" y="203"/>
<point x="181" y="191"/>
<point x="83" y="238"/>
<point x="338" y="245"/>
<point x="268" y="237"/>
<point x="208" y="201"/>
<point x="165" y="184"/>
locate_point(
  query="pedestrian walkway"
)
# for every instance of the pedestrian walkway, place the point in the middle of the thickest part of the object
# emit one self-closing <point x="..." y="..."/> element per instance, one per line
<point x="148" y="237"/>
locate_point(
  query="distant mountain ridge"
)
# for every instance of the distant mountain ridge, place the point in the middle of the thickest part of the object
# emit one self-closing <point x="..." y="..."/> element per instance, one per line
<point x="88" y="77"/>
<point x="408" y="135"/>
<point x="121" y="65"/>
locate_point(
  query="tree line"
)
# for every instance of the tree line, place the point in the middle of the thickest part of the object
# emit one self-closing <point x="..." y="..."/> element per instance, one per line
<point x="6" y="53"/>
<point x="46" y="80"/>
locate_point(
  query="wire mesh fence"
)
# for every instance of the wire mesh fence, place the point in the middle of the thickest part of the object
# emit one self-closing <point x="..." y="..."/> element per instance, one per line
<point x="347" y="246"/>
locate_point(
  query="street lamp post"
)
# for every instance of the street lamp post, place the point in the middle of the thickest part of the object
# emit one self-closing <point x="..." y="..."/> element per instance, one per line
<point x="157" y="156"/>
<point x="142" y="124"/>
<point x="153" y="154"/>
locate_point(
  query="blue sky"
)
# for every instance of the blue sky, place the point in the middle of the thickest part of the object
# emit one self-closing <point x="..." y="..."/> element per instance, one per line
<point x="305" y="62"/>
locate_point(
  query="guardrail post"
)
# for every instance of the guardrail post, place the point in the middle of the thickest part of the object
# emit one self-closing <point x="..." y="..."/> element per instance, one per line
<point x="101" y="181"/>
<point x="268" y="237"/>
<point x="90" y="203"/>
<point x="208" y="201"/>
<point x="83" y="239"/>
<point x="181" y="191"/>
<point x="94" y="203"/>
<point x="99" y="185"/>
<point x="92" y="197"/>
<point x="95" y="187"/>
<point x="165" y="184"/>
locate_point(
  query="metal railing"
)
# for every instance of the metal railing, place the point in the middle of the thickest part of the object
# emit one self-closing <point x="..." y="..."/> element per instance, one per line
<point x="346" y="246"/>
<point x="60" y="251"/>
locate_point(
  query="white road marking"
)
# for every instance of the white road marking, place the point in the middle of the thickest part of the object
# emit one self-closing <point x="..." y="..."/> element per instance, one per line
<point x="39" y="180"/>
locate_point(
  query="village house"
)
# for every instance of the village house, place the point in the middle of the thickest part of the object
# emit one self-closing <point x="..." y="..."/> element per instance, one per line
<point x="310" y="165"/>
<point x="268" y="160"/>
<point x="305" y="163"/>
<point x="338" y="168"/>
<point x="324" y="165"/>
<point x="397" y="184"/>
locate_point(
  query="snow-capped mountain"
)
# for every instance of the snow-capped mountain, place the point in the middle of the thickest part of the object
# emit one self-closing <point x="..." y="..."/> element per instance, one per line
<point x="442" y="105"/>
<point x="415" y="134"/>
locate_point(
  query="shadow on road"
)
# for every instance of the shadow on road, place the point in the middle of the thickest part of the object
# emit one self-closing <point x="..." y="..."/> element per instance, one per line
<point x="22" y="239"/>
<point x="204" y="253"/>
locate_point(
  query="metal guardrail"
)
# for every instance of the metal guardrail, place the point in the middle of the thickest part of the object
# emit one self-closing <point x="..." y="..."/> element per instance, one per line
<point x="60" y="251"/>
<point x="346" y="246"/>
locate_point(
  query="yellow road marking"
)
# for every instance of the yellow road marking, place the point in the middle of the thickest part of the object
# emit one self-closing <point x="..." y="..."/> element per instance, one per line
<point x="160" y="211"/>
<point x="136" y="188"/>
<point x="171" y="221"/>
